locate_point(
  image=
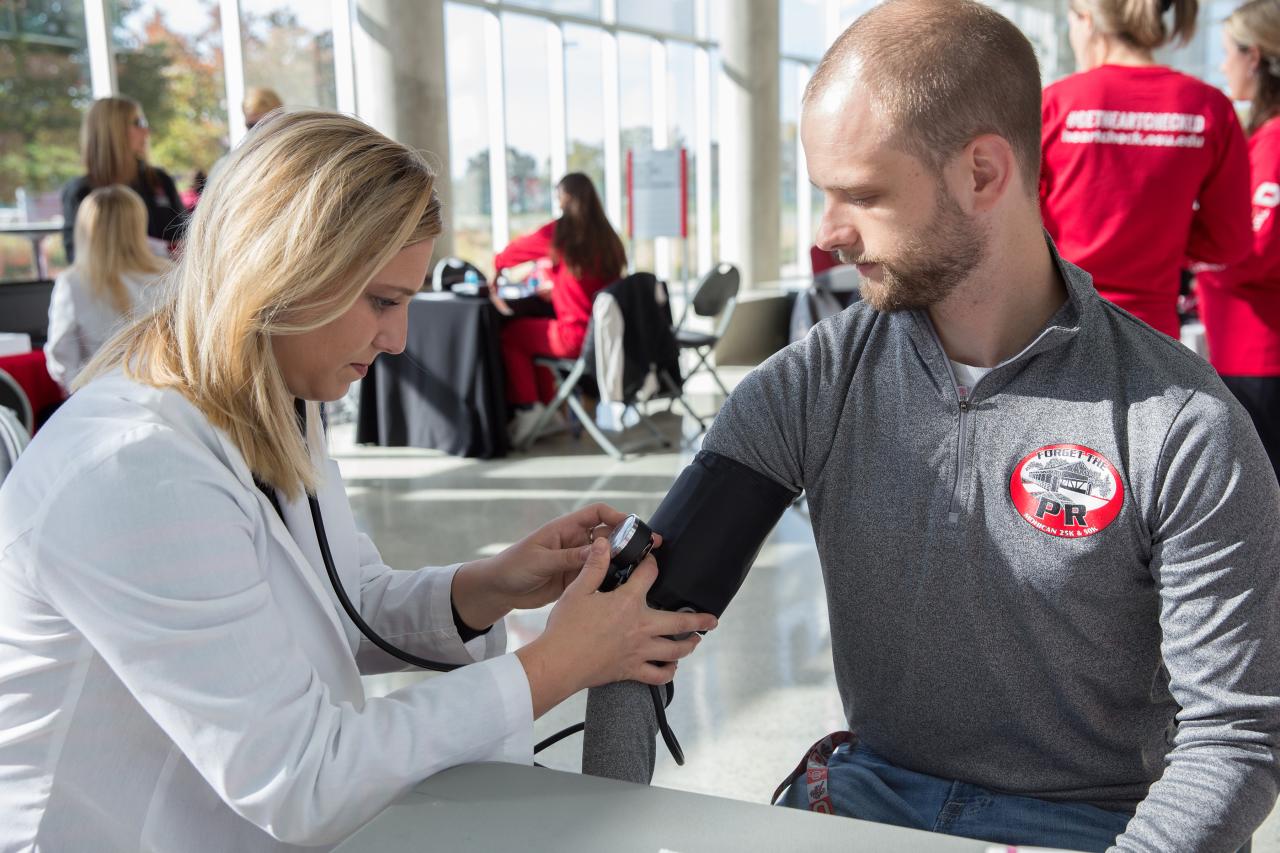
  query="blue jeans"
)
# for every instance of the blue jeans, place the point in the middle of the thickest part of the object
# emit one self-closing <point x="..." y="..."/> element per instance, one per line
<point x="863" y="785"/>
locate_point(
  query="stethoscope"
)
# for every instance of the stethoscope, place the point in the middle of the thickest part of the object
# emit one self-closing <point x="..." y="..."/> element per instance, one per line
<point x="331" y="569"/>
<point x="326" y="556"/>
<point x="317" y="520"/>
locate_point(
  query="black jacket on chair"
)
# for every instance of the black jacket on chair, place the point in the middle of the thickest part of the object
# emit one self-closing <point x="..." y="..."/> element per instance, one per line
<point x="648" y="342"/>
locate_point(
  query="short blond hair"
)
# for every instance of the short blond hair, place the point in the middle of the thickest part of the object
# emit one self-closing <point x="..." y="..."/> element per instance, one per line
<point x="306" y="210"/>
<point x="942" y="73"/>
<point x="111" y="231"/>
<point x="104" y="142"/>
<point x="259" y="100"/>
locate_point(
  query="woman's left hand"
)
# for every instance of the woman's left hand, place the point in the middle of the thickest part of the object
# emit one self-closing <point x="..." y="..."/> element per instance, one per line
<point x="532" y="572"/>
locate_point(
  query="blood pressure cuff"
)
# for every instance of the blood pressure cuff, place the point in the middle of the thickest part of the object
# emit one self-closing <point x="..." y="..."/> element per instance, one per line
<point x="713" y="523"/>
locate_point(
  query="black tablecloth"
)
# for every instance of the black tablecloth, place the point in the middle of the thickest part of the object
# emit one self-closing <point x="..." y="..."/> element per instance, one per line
<point x="447" y="389"/>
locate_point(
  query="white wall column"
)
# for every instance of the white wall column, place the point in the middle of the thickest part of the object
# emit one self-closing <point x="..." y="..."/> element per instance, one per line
<point x="233" y="67"/>
<point x="750" y="148"/>
<point x="102" y="64"/>
<point x="400" y="83"/>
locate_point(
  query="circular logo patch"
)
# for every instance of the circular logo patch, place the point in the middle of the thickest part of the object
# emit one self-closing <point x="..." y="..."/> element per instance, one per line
<point x="1066" y="490"/>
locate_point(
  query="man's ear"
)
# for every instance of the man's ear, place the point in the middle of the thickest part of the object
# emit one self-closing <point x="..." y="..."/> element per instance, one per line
<point x="989" y="169"/>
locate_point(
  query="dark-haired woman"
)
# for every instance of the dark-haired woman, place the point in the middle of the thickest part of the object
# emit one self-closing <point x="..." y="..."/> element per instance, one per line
<point x="1240" y="305"/>
<point x="113" y="146"/>
<point x="586" y="256"/>
<point x="1144" y="167"/>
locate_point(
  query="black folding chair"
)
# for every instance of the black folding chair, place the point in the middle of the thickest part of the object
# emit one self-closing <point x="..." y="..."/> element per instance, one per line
<point x="717" y="293"/>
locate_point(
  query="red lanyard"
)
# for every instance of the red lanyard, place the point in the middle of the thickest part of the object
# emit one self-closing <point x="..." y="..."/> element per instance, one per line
<point x="814" y="768"/>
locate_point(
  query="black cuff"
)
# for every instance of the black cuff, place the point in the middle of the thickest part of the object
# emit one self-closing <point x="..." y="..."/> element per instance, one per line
<point x="465" y="631"/>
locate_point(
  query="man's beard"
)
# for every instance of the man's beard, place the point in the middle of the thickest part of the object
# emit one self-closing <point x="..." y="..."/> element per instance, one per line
<point x="930" y="265"/>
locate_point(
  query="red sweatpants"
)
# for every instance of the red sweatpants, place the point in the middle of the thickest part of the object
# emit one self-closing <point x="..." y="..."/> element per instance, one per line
<point x="527" y="337"/>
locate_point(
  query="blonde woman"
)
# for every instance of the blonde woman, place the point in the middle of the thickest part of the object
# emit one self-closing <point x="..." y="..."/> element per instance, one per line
<point x="1144" y="167"/>
<point x="176" y="673"/>
<point x="1240" y="305"/>
<point x="114" y="276"/>
<point x="113" y="147"/>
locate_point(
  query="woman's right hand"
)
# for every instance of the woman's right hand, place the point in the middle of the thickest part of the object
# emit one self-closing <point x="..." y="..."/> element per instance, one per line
<point x="498" y="302"/>
<point x="595" y="637"/>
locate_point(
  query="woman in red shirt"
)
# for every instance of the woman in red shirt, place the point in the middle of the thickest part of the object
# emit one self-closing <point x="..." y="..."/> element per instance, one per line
<point x="586" y="255"/>
<point x="1144" y="167"/>
<point x="1240" y="305"/>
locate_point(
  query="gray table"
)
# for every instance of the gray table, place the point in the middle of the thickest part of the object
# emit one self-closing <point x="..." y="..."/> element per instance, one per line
<point x="500" y="807"/>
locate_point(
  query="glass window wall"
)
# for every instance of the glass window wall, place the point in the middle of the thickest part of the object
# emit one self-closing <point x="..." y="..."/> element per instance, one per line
<point x="44" y="90"/>
<point x="168" y="56"/>
<point x="288" y="47"/>
<point x="466" y="72"/>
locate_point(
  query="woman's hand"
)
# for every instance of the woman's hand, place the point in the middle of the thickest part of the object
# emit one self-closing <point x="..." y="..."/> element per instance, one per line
<point x="544" y="289"/>
<point x="498" y="302"/>
<point x="534" y="571"/>
<point x="595" y="637"/>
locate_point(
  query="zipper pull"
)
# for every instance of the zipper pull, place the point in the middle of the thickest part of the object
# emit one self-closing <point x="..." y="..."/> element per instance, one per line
<point x="964" y="405"/>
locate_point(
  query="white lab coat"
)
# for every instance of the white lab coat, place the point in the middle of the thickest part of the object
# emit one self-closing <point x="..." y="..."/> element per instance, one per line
<point x="174" y="670"/>
<point x="81" y="322"/>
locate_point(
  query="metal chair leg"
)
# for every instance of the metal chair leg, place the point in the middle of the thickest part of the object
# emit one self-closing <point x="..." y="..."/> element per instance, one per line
<point x="653" y="429"/>
<point x="589" y="424"/>
<point x="703" y="355"/>
<point x="677" y="394"/>
<point x="564" y="392"/>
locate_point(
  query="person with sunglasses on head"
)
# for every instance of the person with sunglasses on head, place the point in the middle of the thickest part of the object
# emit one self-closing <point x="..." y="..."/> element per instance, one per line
<point x="113" y="145"/>
<point x="1144" y="169"/>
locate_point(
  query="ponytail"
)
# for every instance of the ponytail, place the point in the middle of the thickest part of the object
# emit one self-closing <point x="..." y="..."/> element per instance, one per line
<point x="1145" y="24"/>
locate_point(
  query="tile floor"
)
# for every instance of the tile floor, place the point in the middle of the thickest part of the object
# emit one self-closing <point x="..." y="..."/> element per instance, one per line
<point x="752" y="697"/>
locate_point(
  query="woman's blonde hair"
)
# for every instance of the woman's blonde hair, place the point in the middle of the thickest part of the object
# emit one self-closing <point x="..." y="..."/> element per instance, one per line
<point x="303" y="214"/>
<point x="111" y="229"/>
<point x="1141" y="23"/>
<point x="104" y="141"/>
<point x="1257" y="24"/>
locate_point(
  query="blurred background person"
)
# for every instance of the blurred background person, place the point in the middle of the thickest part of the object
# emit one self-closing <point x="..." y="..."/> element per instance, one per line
<point x="192" y="193"/>
<point x="258" y="101"/>
<point x="1240" y="305"/>
<point x="586" y="255"/>
<point x="1144" y="167"/>
<point x="114" y="275"/>
<point x="113" y="147"/>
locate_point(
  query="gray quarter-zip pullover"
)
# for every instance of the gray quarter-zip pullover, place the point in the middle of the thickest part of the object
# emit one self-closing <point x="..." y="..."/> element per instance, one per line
<point x="1064" y="586"/>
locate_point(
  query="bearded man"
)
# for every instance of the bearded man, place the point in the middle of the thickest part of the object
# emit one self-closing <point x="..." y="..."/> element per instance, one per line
<point x="1049" y="534"/>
